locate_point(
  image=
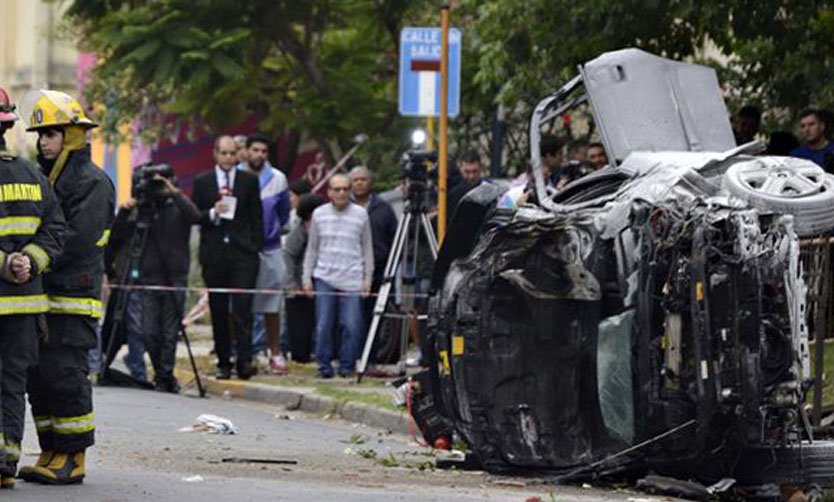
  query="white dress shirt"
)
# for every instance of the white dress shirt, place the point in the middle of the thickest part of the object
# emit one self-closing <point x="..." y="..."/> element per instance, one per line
<point x="221" y="183"/>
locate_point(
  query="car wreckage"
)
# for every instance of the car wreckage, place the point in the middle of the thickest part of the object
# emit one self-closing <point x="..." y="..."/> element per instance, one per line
<point x="651" y="315"/>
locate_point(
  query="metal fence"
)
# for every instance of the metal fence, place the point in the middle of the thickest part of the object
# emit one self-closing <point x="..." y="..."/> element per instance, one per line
<point x="815" y="255"/>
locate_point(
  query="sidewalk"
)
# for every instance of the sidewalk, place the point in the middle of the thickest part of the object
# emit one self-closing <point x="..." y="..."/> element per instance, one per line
<point x="369" y="403"/>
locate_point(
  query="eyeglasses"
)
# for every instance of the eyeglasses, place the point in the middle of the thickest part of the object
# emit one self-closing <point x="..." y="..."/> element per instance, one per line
<point x="340" y="189"/>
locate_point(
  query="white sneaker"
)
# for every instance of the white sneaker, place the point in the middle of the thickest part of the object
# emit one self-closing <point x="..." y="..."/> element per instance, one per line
<point x="278" y="365"/>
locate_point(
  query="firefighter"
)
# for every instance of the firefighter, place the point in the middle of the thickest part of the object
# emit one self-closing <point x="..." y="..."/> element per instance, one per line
<point x="59" y="388"/>
<point x="31" y="237"/>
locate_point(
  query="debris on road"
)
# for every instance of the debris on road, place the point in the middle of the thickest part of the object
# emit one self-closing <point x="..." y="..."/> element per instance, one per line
<point x="282" y="461"/>
<point x="193" y="479"/>
<point x="212" y="424"/>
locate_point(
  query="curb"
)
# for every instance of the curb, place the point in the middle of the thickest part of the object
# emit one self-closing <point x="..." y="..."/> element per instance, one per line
<point x="303" y="399"/>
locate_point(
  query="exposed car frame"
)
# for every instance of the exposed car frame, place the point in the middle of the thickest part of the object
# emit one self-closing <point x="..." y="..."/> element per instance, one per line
<point x="647" y="315"/>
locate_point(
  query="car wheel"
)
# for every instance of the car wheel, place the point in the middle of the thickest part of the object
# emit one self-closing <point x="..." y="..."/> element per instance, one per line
<point x="785" y="185"/>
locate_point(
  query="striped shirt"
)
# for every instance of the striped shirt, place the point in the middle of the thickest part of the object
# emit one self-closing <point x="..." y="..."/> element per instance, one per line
<point x="340" y="250"/>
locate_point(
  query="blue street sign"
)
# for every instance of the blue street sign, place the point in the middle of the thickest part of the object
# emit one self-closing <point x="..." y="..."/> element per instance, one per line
<point x="420" y="72"/>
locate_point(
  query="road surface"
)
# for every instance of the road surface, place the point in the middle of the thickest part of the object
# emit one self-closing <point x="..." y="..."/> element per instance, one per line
<point x="141" y="455"/>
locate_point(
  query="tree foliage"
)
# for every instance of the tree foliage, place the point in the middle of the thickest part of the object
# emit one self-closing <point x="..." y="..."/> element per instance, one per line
<point x="318" y="68"/>
<point x="327" y="68"/>
<point x="773" y="53"/>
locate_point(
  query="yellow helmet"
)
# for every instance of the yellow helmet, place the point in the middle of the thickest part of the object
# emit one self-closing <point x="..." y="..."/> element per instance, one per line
<point x="46" y="108"/>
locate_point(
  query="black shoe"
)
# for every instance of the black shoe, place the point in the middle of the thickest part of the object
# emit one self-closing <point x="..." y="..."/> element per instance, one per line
<point x="170" y="386"/>
<point x="345" y="374"/>
<point x="224" y="373"/>
<point x="247" y="373"/>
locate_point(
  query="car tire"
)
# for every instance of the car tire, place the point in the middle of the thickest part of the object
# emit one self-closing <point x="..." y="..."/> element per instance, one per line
<point x="812" y="204"/>
<point x="801" y="465"/>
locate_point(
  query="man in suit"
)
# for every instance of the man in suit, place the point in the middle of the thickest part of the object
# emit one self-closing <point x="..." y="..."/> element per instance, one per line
<point x="231" y="236"/>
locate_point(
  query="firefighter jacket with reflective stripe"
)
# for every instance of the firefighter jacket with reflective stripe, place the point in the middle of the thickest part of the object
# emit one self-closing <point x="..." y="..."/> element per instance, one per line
<point x="87" y="198"/>
<point x="31" y="222"/>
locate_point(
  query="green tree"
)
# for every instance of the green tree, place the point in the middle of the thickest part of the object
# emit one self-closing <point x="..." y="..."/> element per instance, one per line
<point x="773" y="53"/>
<point x="326" y="69"/>
<point x="318" y="68"/>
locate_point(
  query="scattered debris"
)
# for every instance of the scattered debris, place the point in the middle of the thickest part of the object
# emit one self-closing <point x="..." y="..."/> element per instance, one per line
<point x="721" y="486"/>
<point x="236" y="460"/>
<point x="369" y="453"/>
<point x="401" y="394"/>
<point x="212" y="424"/>
<point x="356" y="439"/>
<point x="662" y="485"/>
<point x="456" y="459"/>
<point x="390" y="461"/>
<point x="193" y="479"/>
<point x="283" y="416"/>
<point x="510" y="483"/>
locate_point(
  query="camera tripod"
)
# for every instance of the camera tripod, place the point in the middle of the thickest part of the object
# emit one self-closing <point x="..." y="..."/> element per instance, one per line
<point x="408" y="233"/>
<point x="144" y="215"/>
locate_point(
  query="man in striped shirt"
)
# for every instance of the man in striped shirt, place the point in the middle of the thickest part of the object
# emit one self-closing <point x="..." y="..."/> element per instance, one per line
<point x="338" y="268"/>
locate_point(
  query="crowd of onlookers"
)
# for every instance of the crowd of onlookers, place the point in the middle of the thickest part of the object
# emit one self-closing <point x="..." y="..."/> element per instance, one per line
<point x="326" y="255"/>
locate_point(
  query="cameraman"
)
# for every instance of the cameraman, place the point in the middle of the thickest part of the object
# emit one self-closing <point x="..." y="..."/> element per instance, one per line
<point x="165" y="261"/>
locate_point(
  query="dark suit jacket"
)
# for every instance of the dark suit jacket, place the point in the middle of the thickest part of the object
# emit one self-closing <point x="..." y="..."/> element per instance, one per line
<point x="245" y="231"/>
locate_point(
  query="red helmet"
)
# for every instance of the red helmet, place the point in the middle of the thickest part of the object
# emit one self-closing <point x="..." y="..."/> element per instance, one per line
<point x="6" y="107"/>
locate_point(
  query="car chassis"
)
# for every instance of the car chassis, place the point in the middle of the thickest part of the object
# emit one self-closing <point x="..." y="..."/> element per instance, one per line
<point x="644" y="317"/>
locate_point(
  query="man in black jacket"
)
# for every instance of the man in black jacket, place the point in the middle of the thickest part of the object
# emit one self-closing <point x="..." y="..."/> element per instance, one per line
<point x="169" y="215"/>
<point x="32" y="237"/>
<point x="383" y="227"/>
<point x="59" y="389"/>
<point x="231" y="236"/>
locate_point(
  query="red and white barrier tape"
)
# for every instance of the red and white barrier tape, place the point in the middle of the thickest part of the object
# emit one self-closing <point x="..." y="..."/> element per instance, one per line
<point x="284" y="291"/>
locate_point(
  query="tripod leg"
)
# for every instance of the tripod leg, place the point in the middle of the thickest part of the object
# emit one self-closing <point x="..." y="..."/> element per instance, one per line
<point x="384" y="292"/>
<point x="193" y="363"/>
<point x="409" y="288"/>
<point x="430" y="237"/>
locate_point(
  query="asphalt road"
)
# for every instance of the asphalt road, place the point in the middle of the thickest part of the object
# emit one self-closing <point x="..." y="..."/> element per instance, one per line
<point x="141" y="455"/>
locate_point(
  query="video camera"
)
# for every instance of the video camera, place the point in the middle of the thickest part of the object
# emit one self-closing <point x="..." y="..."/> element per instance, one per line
<point x="413" y="169"/>
<point x="144" y="179"/>
<point x="413" y="165"/>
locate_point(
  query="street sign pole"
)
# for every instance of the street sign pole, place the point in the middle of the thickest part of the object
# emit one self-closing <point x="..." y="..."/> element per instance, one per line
<point x="444" y="124"/>
<point x="429" y="139"/>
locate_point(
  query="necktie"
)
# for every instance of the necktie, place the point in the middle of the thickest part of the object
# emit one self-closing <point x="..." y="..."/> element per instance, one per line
<point x="228" y="181"/>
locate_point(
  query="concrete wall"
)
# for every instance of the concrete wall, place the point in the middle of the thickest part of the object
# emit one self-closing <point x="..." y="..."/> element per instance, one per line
<point x="34" y="54"/>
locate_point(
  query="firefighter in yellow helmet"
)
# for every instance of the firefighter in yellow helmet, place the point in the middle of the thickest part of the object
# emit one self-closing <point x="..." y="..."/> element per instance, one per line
<point x="31" y="236"/>
<point x="59" y="389"/>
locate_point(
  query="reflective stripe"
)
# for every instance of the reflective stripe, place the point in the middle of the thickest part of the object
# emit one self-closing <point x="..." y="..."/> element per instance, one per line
<point x="19" y="225"/>
<point x="13" y="451"/>
<point x="43" y="423"/>
<point x="76" y="306"/>
<point x="73" y="425"/>
<point x="105" y="238"/>
<point x="28" y="304"/>
<point x="10" y="450"/>
<point x="38" y="254"/>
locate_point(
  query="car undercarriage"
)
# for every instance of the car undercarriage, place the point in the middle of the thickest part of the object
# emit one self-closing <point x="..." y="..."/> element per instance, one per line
<point x="650" y="316"/>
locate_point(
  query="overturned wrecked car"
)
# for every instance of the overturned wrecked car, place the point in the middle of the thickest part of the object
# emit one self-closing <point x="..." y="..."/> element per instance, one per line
<point x="651" y="315"/>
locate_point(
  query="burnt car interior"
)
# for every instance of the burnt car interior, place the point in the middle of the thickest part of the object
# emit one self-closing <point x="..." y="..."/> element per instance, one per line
<point x="648" y="317"/>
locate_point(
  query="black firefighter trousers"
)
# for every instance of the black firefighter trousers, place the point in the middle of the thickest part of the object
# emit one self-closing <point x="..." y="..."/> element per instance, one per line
<point x="60" y="391"/>
<point x="18" y="351"/>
